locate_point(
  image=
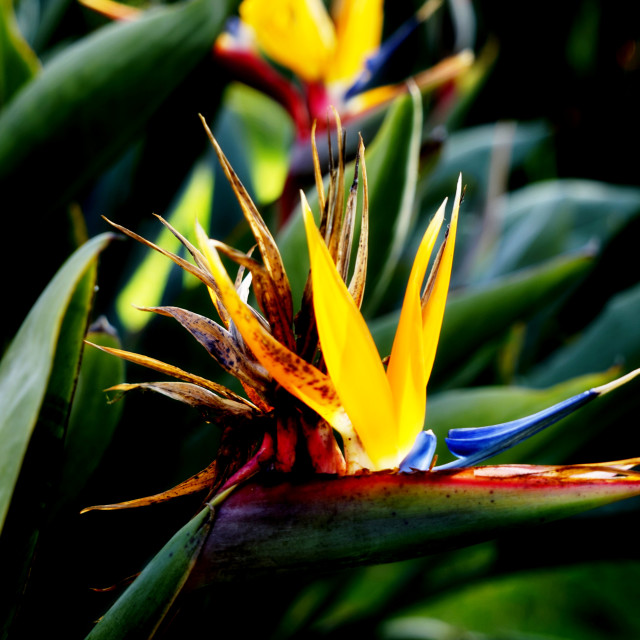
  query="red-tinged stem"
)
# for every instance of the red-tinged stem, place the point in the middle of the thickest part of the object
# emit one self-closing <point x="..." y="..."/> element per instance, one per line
<point x="318" y="103"/>
<point x="253" y="466"/>
<point x="277" y="524"/>
<point x="251" y="68"/>
<point x="324" y="453"/>
<point x="286" y="440"/>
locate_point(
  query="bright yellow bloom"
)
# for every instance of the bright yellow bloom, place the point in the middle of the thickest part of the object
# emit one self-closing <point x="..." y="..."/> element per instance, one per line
<point x="316" y="374"/>
<point x="300" y="35"/>
<point x="334" y="56"/>
<point x="379" y="414"/>
<point x="386" y="409"/>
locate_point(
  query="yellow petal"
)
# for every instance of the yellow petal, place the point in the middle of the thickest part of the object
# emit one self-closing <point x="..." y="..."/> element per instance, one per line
<point x="297" y="34"/>
<point x="406" y="370"/>
<point x="297" y="376"/>
<point x="113" y="10"/>
<point x="350" y="354"/>
<point x="359" y="30"/>
<point x="433" y="307"/>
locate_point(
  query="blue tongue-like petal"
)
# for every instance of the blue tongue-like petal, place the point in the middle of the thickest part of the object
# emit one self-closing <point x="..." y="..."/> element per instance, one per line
<point x="421" y="454"/>
<point x="475" y="445"/>
<point x="376" y="62"/>
<point x="478" y="444"/>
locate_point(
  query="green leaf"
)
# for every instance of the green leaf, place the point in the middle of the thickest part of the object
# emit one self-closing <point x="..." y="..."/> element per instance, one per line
<point x="91" y="423"/>
<point x="485" y="155"/>
<point x="18" y="63"/>
<point x="363" y="597"/>
<point x="469" y="151"/>
<point x="146" y="286"/>
<point x="256" y="132"/>
<point x="612" y="338"/>
<point x="589" y="601"/>
<point x="547" y="219"/>
<point x="91" y="100"/>
<point x="40" y="19"/>
<point x="328" y="522"/>
<point x="141" y="608"/>
<point x="392" y="169"/>
<point x="27" y="366"/>
<point x="474" y="317"/>
<point x="37" y="380"/>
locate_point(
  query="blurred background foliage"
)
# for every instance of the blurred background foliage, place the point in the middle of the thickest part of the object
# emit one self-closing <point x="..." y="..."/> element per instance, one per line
<point x="101" y="119"/>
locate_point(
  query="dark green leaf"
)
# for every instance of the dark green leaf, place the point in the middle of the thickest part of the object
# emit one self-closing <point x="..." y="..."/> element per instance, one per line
<point x="552" y="218"/>
<point x="474" y="317"/>
<point x="612" y="338"/>
<point x="25" y="370"/>
<point x="92" y="422"/>
<point x="589" y="601"/>
<point x="37" y="380"/>
<point x="92" y="99"/>
<point x="18" y="64"/>
<point x="140" y="610"/>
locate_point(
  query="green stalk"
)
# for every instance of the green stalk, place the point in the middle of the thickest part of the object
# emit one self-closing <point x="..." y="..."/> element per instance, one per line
<point x="329" y="522"/>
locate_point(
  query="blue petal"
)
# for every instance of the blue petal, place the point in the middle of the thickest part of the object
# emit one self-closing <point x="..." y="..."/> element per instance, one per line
<point x="421" y="454"/>
<point x="233" y="26"/>
<point x="379" y="59"/>
<point x="478" y="444"/>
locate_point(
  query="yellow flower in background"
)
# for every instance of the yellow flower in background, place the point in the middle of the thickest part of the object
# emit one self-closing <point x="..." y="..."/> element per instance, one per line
<point x="300" y="35"/>
<point x="310" y="60"/>
<point x="334" y="56"/>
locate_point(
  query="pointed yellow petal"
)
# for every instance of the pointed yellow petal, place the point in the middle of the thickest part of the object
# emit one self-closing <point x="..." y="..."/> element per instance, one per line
<point x="359" y="30"/>
<point x="406" y="370"/>
<point x="297" y="34"/>
<point x="433" y="307"/>
<point x="297" y="376"/>
<point x="350" y="354"/>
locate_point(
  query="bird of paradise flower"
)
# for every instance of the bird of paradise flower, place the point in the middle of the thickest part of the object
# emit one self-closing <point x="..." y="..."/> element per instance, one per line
<point x="315" y="382"/>
<point x="333" y="56"/>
